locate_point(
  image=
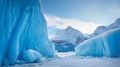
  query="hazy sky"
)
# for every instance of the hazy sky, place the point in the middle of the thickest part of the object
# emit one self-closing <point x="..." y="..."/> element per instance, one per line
<point x="80" y="13"/>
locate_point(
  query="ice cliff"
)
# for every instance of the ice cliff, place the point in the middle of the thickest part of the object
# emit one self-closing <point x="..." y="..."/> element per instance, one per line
<point x="106" y="44"/>
<point x="22" y="27"/>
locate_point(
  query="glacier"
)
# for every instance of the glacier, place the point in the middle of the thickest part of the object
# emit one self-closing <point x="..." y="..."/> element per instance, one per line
<point x="22" y="27"/>
<point x="106" y="44"/>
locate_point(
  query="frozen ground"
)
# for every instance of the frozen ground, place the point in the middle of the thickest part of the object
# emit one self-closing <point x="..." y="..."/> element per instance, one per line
<point x="66" y="61"/>
<point x="64" y="54"/>
<point x="83" y="63"/>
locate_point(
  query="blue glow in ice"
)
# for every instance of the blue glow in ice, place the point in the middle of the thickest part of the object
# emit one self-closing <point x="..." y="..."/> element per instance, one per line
<point x="106" y="44"/>
<point x="22" y="27"/>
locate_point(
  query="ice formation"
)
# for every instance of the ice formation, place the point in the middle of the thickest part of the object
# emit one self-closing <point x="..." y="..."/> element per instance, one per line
<point x="22" y="27"/>
<point x="63" y="46"/>
<point x="104" y="45"/>
<point x="31" y="56"/>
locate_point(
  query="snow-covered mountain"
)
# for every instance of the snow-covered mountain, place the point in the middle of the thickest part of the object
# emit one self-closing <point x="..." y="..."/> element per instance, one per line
<point x="67" y="39"/>
<point x="99" y="30"/>
<point x="102" y="29"/>
<point x="70" y="35"/>
<point x="115" y="25"/>
<point x="106" y="43"/>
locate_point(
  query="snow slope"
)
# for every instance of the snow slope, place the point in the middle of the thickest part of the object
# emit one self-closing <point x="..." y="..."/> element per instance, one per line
<point x="106" y="44"/>
<point x="22" y="27"/>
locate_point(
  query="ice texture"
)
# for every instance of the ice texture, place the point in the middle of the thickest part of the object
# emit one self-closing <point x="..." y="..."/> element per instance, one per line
<point x="104" y="45"/>
<point x="63" y="46"/>
<point x="31" y="56"/>
<point x="22" y="27"/>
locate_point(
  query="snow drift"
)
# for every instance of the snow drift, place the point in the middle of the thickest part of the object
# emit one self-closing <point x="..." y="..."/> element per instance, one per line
<point x="106" y="44"/>
<point x="22" y="27"/>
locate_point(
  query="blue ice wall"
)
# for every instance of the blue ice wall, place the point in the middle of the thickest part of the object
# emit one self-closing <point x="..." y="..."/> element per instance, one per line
<point x="63" y="46"/>
<point x="22" y="27"/>
<point x="104" y="45"/>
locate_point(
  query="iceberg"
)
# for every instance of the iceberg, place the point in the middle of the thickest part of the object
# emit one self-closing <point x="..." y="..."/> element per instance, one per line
<point x="31" y="56"/>
<point x="104" y="45"/>
<point x="22" y="27"/>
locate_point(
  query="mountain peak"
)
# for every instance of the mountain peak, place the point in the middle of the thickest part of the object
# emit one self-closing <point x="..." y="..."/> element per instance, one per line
<point x="69" y="34"/>
<point x="69" y="27"/>
<point x="102" y="29"/>
<point x="117" y="20"/>
<point x="71" y="30"/>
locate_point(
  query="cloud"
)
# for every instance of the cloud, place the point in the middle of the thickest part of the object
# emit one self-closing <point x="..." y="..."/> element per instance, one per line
<point x="115" y="9"/>
<point x="62" y="23"/>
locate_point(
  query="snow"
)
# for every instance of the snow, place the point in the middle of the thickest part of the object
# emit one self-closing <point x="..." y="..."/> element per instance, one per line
<point x="31" y="56"/>
<point x="76" y="62"/>
<point x="23" y="37"/>
<point x="67" y="59"/>
<point x="101" y="29"/>
<point x="115" y="25"/>
<point x="70" y="35"/>
<point x="64" y="54"/>
<point x="22" y="27"/>
<point x="83" y="63"/>
<point x="106" y="44"/>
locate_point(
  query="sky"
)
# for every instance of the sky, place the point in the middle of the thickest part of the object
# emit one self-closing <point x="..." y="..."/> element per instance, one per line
<point x="84" y="15"/>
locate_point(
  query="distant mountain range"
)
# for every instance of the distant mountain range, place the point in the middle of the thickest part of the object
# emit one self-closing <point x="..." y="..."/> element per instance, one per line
<point x="67" y="39"/>
<point x="102" y="29"/>
<point x="70" y="35"/>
